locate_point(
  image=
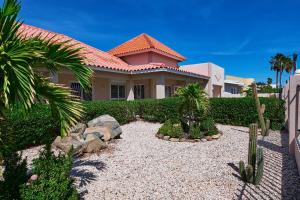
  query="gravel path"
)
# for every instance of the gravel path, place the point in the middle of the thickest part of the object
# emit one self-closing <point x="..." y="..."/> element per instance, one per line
<point x="140" y="166"/>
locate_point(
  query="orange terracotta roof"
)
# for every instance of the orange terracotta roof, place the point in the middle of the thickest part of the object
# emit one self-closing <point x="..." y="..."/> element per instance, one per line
<point x="96" y="58"/>
<point x="143" y="43"/>
<point x="92" y="56"/>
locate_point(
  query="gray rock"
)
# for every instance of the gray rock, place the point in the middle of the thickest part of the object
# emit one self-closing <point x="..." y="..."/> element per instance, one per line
<point x="78" y="128"/>
<point x="182" y="140"/>
<point x="203" y="140"/>
<point x="91" y="136"/>
<point x="65" y="144"/>
<point x="95" y="131"/>
<point x="94" y="146"/>
<point x="166" y="137"/>
<point x="109" y="122"/>
<point x="76" y="136"/>
<point x="160" y="136"/>
<point x="174" y="139"/>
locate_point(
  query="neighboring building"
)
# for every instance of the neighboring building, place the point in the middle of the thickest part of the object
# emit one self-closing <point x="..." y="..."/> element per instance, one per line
<point x="233" y="87"/>
<point x="246" y="81"/>
<point x="140" y="68"/>
<point x="215" y="85"/>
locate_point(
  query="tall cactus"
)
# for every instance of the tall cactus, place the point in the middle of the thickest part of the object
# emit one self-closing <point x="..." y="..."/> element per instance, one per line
<point x="254" y="171"/>
<point x="264" y="124"/>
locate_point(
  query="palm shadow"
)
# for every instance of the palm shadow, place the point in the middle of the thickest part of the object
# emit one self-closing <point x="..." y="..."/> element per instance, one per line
<point x="85" y="176"/>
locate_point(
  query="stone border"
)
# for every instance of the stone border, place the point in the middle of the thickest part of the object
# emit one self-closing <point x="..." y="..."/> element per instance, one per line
<point x="205" y="139"/>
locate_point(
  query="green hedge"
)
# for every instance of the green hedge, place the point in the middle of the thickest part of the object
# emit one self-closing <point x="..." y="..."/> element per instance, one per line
<point x="242" y="111"/>
<point x="39" y="127"/>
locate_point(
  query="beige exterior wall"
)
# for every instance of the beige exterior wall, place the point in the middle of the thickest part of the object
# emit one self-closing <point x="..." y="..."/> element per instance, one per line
<point x="247" y="81"/>
<point x="293" y="115"/>
<point x="154" y="83"/>
<point x="149" y="57"/>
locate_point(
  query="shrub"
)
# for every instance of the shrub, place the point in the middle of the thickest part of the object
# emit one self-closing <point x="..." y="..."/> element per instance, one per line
<point x="15" y="174"/>
<point x="54" y="181"/>
<point x="208" y="127"/>
<point x="172" y="129"/>
<point x="195" y="132"/>
<point x="38" y="127"/>
<point x="242" y="111"/>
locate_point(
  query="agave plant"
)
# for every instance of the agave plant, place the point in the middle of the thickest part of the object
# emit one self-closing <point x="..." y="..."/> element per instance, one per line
<point x="20" y="60"/>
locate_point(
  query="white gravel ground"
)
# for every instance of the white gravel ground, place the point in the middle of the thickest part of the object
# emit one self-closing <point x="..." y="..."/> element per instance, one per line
<point x="140" y="166"/>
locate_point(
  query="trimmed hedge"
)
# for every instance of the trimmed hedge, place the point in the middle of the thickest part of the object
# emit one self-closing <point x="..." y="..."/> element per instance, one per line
<point x="242" y="111"/>
<point x="38" y="127"/>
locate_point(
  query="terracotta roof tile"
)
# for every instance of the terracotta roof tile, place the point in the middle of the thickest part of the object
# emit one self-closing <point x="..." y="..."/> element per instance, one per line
<point x="142" y="43"/>
<point x="93" y="56"/>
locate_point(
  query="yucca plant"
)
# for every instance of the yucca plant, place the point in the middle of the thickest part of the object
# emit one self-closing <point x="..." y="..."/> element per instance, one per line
<point x="20" y="60"/>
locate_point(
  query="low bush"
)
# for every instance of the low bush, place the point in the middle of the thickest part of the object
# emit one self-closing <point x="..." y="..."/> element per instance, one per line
<point x="196" y="133"/>
<point x="172" y="129"/>
<point x="38" y="127"/>
<point x="54" y="181"/>
<point x="208" y="127"/>
<point x="14" y="176"/>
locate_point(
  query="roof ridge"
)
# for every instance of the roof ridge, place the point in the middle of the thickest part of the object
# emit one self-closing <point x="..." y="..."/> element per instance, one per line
<point x="148" y="40"/>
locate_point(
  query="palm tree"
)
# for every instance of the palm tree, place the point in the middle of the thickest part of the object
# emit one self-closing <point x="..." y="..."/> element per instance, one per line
<point x="194" y="101"/>
<point x="295" y="57"/>
<point x="288" y="65"/>
<point x="277" y="65"/>
<point x="20" y="60"/>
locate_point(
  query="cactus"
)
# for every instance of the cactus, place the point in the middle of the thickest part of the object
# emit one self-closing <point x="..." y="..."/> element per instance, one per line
<point x="254" y="171"/>
<point x="264" y="123"/>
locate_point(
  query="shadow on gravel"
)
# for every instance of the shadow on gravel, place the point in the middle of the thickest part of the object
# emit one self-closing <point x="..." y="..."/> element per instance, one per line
<point x="85" y="176"/>
<point x="280" y="180"/>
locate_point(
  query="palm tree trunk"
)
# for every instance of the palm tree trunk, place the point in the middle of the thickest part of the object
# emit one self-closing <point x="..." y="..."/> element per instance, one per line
<point x="280" y="84"/>
<point x="276" y="79"/>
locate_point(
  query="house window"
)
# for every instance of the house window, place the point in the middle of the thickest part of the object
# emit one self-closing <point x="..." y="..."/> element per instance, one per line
<point x="79" y="92"/>
<point x="168" y="91"/>
<point x="76" y="89"/>
<point x="117" y="91"/>
<point x="139" y="91"/>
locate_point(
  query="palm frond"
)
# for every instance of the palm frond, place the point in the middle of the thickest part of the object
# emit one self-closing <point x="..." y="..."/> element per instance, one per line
<point x="64" y="55"/>
<point x="65" y="107"/>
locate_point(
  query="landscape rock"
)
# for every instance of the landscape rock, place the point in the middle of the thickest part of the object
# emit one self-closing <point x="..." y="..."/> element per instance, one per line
<point x="98" y="131"/>
<point x="160" y="136"/>
<point x="65" y="144"/>
<point x="197" y="140"/>
<point x="91" y="136"/>
<point x="78" y="128"/>
<point x="203" y="140"/>
<point x="76" y="136"/>
<point x="94" y="146"/>
<point x="182" y="140"/>
<point x="109" y="122"/>
<point x="174" y="140"/>
<point x="216" y="136"/>
<point x="166" y="137"/>
<point x="208" y="138"/>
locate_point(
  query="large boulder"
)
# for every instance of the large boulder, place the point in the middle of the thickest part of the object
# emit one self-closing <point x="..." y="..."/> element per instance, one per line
<point x="65" y="144"/>
<point x="94" y="146"/>
<point x="108" y="122"/>
<point x="78" y="128"/>
<point x="96" y="131"/>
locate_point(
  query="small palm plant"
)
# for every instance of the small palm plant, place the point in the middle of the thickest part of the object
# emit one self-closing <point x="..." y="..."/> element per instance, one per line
<point x="20" y="60"/>
<point x="194" y="104"/>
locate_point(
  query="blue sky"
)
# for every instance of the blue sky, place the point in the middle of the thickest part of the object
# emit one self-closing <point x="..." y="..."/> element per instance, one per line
<point x="239" y="35"/>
